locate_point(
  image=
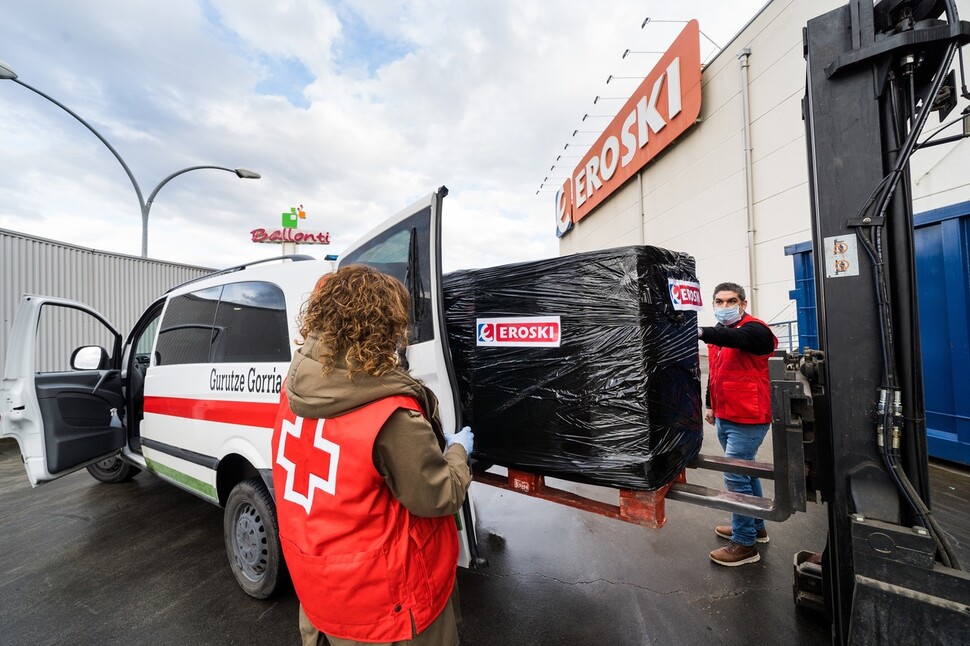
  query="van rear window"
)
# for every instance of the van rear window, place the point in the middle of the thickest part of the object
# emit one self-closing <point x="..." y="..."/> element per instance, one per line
<point x="236" y="323"/>
<point x="254" y="318"/>
<point x="186" y="332"/>
<point x="403" y="252"/>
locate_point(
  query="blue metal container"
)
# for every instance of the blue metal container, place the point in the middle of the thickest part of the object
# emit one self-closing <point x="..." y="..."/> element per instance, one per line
<point x="943" y="276"/>
<point x="804" y="294"/>
<point x="942" y="239"/>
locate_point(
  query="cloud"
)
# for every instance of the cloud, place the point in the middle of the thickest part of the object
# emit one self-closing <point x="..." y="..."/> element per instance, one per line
<point x="353" y="108"/>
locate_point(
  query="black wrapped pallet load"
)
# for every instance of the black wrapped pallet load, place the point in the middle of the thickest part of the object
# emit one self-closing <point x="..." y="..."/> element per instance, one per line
<point x="583" y="367"/>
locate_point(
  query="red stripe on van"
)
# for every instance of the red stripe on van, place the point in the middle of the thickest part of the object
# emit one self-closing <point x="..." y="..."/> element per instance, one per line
<point x="243" y="413"/>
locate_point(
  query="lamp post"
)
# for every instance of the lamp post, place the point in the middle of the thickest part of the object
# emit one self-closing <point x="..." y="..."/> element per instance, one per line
<point x="6" y="73"/>
<point x="241" y="173"/>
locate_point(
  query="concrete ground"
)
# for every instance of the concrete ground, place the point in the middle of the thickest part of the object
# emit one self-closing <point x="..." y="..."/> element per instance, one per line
<point x="143" y="562"/>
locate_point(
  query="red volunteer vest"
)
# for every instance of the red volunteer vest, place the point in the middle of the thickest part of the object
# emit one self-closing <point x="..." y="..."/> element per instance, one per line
<point x="738" y="385"/>
<point x="361" y="563"/>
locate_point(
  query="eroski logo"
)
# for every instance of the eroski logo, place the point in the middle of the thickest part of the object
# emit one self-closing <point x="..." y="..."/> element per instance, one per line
<point x="486" y="332"/>
<point x="524" y="331"/>
<point x="685" y="295"/>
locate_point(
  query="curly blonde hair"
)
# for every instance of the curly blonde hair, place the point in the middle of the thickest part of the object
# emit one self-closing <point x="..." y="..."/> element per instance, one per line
<point x="360" y="316"/>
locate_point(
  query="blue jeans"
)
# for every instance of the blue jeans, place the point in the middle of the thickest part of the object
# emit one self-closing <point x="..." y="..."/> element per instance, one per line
<point x="742" y="441"/>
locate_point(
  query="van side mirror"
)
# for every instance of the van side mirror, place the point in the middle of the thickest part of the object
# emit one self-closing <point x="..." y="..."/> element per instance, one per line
<point x="89" y="357"/>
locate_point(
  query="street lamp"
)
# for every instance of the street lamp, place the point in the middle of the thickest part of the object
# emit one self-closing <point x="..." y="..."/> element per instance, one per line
<point x="241" y="173"/>
<point x="7" y="74"/>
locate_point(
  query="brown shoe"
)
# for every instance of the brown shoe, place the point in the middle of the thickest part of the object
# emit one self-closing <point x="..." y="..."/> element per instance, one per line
<point x="734" y="554"/>
<point x="724" y="531"/>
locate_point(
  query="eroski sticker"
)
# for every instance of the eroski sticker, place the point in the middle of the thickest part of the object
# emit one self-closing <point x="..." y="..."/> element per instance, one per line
<point x="520" y="332"/>
<point x="685" y="295"/>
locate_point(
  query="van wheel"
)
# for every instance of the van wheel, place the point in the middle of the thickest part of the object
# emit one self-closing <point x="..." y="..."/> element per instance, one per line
<point x="112" y="470"/>
<point x="253" y="539"/>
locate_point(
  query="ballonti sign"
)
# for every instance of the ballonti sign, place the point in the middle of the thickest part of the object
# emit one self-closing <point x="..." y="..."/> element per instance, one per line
<point x="279" y="236"/>
<point x="289" y="231"/>
<point x="666" y="104"/>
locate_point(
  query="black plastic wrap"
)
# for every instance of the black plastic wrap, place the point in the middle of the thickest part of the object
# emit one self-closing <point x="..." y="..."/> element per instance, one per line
<point x="618" y="403"/>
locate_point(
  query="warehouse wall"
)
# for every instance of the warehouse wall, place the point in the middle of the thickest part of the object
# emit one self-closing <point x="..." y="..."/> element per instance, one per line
<point x="118" y="287"/>
<point x="694" y="193"/>
<point x="939" y="173"/>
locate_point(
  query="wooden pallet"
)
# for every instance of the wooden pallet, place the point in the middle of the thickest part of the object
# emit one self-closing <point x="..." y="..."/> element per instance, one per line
<point x="638" y="507"/>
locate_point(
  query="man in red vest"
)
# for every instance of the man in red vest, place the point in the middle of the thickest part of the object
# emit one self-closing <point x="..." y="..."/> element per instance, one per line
<point x="366" y="482"/>
<point x="739" y="405"/>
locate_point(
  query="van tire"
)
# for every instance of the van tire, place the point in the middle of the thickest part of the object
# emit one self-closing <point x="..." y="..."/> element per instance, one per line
<point x="113" y="470"/>
<point x="252" y="539"/>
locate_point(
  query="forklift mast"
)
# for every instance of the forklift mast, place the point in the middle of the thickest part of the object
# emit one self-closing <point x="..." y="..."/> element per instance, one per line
<point x="875" y="74"/>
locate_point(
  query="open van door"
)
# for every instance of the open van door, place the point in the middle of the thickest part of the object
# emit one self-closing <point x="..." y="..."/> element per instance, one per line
<point x="408" y="246"/>
<point x="60" y="385"/>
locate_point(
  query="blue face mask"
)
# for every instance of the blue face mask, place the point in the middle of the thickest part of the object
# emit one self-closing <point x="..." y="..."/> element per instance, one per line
<point x="727" y="315"/>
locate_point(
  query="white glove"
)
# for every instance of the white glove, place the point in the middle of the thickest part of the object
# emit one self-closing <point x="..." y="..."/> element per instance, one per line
<point x="465" y="437"/>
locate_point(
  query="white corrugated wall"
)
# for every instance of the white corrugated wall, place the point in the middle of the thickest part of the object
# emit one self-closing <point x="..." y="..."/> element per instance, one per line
<point x="118" y="287"/>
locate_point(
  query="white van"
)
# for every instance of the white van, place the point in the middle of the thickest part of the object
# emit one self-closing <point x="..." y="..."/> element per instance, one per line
<point x="197" y="383"/>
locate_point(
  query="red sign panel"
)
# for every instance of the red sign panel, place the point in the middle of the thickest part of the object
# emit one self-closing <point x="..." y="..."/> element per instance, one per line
<point x="528" y="331"/>
<point x="685" y="295"/>
<point x="666" y="104"/>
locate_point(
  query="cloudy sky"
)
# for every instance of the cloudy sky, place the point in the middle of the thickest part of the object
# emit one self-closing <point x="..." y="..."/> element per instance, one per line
<point x="351" y="108"/>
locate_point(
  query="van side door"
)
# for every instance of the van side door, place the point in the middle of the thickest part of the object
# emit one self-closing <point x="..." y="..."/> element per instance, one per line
<point x="61" y="381"/>
<point x="408" y="246"/>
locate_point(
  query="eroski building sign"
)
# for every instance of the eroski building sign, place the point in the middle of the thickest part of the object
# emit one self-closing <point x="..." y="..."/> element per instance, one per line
<point x="663" y="107"/>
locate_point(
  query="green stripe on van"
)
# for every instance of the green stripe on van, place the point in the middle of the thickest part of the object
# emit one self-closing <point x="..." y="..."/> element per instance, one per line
<point x="184" y="479"/>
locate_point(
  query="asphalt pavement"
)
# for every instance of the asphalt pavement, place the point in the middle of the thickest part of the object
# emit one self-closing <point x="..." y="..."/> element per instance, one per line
<point x="144" y="563"/>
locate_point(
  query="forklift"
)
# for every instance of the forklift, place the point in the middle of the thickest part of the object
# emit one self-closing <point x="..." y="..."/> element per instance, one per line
<point x="876" y="72"/>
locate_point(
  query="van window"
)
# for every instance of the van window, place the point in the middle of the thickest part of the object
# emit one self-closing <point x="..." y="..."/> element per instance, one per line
<point x="186" y="332"/>
<point x="61" y="330"/>
<point x="250" y="324"/>
<point x="237" y="323"/>
<point x="402" y="251"/>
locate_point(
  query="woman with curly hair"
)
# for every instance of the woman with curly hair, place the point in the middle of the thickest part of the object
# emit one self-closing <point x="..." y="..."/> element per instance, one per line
<point x="368" y="531"/>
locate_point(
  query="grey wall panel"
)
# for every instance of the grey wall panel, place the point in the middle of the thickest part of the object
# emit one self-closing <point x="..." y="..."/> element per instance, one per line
<point x="119" y="287"/>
